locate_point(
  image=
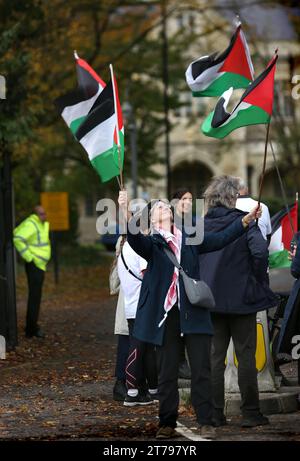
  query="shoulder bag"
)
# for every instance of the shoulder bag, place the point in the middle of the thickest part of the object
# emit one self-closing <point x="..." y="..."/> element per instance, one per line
<point x="197" y="291"/>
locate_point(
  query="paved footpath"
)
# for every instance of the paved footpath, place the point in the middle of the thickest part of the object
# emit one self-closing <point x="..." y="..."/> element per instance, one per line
<point x="60" y="388"/>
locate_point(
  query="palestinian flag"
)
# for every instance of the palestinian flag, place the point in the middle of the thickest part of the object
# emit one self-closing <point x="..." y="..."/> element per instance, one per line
<point x="212" y="75"/>
<point x="94" y="116"/>
<point x="282" y="235"/>
<point x="255" y="106"/>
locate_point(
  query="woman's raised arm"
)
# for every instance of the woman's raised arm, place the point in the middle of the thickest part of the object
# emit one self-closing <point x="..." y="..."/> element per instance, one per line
<point x="140" y="243"/>
<point x="214" y="241"/>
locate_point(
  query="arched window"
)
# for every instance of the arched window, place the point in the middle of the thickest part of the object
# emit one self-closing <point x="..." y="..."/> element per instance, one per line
<point x="194" y="175"/>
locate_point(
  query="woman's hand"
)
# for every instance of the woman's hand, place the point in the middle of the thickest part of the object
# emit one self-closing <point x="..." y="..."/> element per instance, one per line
<point x="255" y="213"/>
<point x="123" y="199"/>
<point x="292" y="253"/>
<point x="123" y="203"/>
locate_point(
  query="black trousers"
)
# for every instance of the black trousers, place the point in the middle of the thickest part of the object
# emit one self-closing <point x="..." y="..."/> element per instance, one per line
<point x="35" y="279"/>
<point x="242" y="329"/>
<point x="169" y="356"/>
<point x="141" y="370"/>
<point x="122" y="354"/>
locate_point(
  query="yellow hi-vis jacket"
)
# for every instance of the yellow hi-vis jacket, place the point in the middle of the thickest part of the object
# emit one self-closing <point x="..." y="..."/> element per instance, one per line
<point x="31" y="239"/>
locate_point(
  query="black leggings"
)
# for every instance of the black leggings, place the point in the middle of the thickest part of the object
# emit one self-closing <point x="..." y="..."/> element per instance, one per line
<point x="141" y="371"/>
<point x="122" y="354"/>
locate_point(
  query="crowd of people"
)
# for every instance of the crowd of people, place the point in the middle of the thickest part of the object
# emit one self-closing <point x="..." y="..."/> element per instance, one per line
<point x="165" y="327"/>
<point x="162" y="334"/>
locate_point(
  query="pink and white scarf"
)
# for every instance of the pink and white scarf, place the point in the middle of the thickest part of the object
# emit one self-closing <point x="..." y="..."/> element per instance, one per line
<point x="174" y="242"/>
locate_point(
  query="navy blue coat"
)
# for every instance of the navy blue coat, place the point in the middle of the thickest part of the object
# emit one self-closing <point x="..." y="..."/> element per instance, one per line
<point x="237" y="274"/>
<point x="157" y="280"/>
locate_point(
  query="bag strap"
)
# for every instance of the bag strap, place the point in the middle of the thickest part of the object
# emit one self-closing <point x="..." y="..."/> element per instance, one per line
<point x="127" y="268"/>
<point x="173" y="259"/>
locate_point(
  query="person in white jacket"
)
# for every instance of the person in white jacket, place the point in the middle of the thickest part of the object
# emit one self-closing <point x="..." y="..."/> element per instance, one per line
<point x="246" y="203"/>
<point x="120" y="330"/>
<point x="141" y="373"/>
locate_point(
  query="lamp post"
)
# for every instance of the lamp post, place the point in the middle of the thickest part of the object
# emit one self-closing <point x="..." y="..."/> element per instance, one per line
<point x="129" y="116"/>
<point x="165" y="80"/>
<point x="8" y="312"/>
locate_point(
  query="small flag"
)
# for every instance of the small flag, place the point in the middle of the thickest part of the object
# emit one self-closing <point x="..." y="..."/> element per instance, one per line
<point x="93" y="114"/>
<point x="212" y="75"/>
<point x="282" y="235"/>
<point x="255" y="106"/>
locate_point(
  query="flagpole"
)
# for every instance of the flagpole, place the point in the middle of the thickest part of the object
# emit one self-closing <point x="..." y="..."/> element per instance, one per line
<point x="282" y="188"/>
<point x="296" y="210"/>
<point x="117" y="127"/>
<point x="264" y="167"/>
<point x="119" y="182"/>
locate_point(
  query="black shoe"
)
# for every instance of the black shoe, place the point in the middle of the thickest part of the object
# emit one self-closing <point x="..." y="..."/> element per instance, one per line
<point x="184" y="370"/>
<point x="153" y="397"/>
<point x="137" y="400"/>
<point x="253" y="421"/>
<point x="119" y="390"/>
<point x="38" y="334"/>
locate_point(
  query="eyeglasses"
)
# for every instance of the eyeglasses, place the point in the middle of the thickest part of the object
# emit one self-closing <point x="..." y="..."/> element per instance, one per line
<point x="162" y="205"/>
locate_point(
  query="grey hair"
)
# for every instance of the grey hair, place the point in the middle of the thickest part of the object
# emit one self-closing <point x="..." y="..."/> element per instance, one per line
<point x="241" y="184"/>
<point x="222" y="191"/>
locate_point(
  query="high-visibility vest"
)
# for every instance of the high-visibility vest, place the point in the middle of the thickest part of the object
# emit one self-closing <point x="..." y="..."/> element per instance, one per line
<point x="31" y="239"/>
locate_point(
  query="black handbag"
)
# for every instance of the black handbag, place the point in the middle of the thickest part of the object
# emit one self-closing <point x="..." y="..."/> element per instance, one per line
<point x="197" y="291"/>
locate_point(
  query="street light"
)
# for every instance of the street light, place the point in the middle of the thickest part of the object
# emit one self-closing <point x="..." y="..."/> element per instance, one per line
<point x="129" y="116"/>
<point x="8" y="310"/>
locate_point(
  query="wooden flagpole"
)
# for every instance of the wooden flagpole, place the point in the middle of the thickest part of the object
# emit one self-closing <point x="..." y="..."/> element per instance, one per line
<point x="265" y="156"/>
<point x="121" y="185"/>
<point x="264" y="167"/>
<point x="297" y="200"/>
<point x="282" y="188"/>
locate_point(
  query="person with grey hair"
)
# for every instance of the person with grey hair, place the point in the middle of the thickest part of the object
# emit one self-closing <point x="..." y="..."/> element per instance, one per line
<point x="237" y="276"/>
<point x="246" y="203"/>
<point x="165" y="314"/>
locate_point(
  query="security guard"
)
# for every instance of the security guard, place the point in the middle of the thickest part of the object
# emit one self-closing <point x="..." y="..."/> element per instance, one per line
<point x="31" y="239"/>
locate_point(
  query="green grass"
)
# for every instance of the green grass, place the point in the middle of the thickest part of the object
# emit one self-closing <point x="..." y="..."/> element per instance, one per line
<point x="76" y="256"/>
<point x="83" y="275"/>
<point x="81" y="255"/>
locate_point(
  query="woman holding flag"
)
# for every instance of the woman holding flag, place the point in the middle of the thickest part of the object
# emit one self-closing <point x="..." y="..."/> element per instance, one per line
<point x="165" y="314"/>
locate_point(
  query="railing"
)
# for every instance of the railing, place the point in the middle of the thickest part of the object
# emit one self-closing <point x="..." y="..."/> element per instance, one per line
<point x="2" y="348"/>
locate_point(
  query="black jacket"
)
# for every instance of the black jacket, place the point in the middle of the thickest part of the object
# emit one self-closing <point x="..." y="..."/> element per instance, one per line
<point x="237" y="274"/>
<point x="157" y="280"/>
